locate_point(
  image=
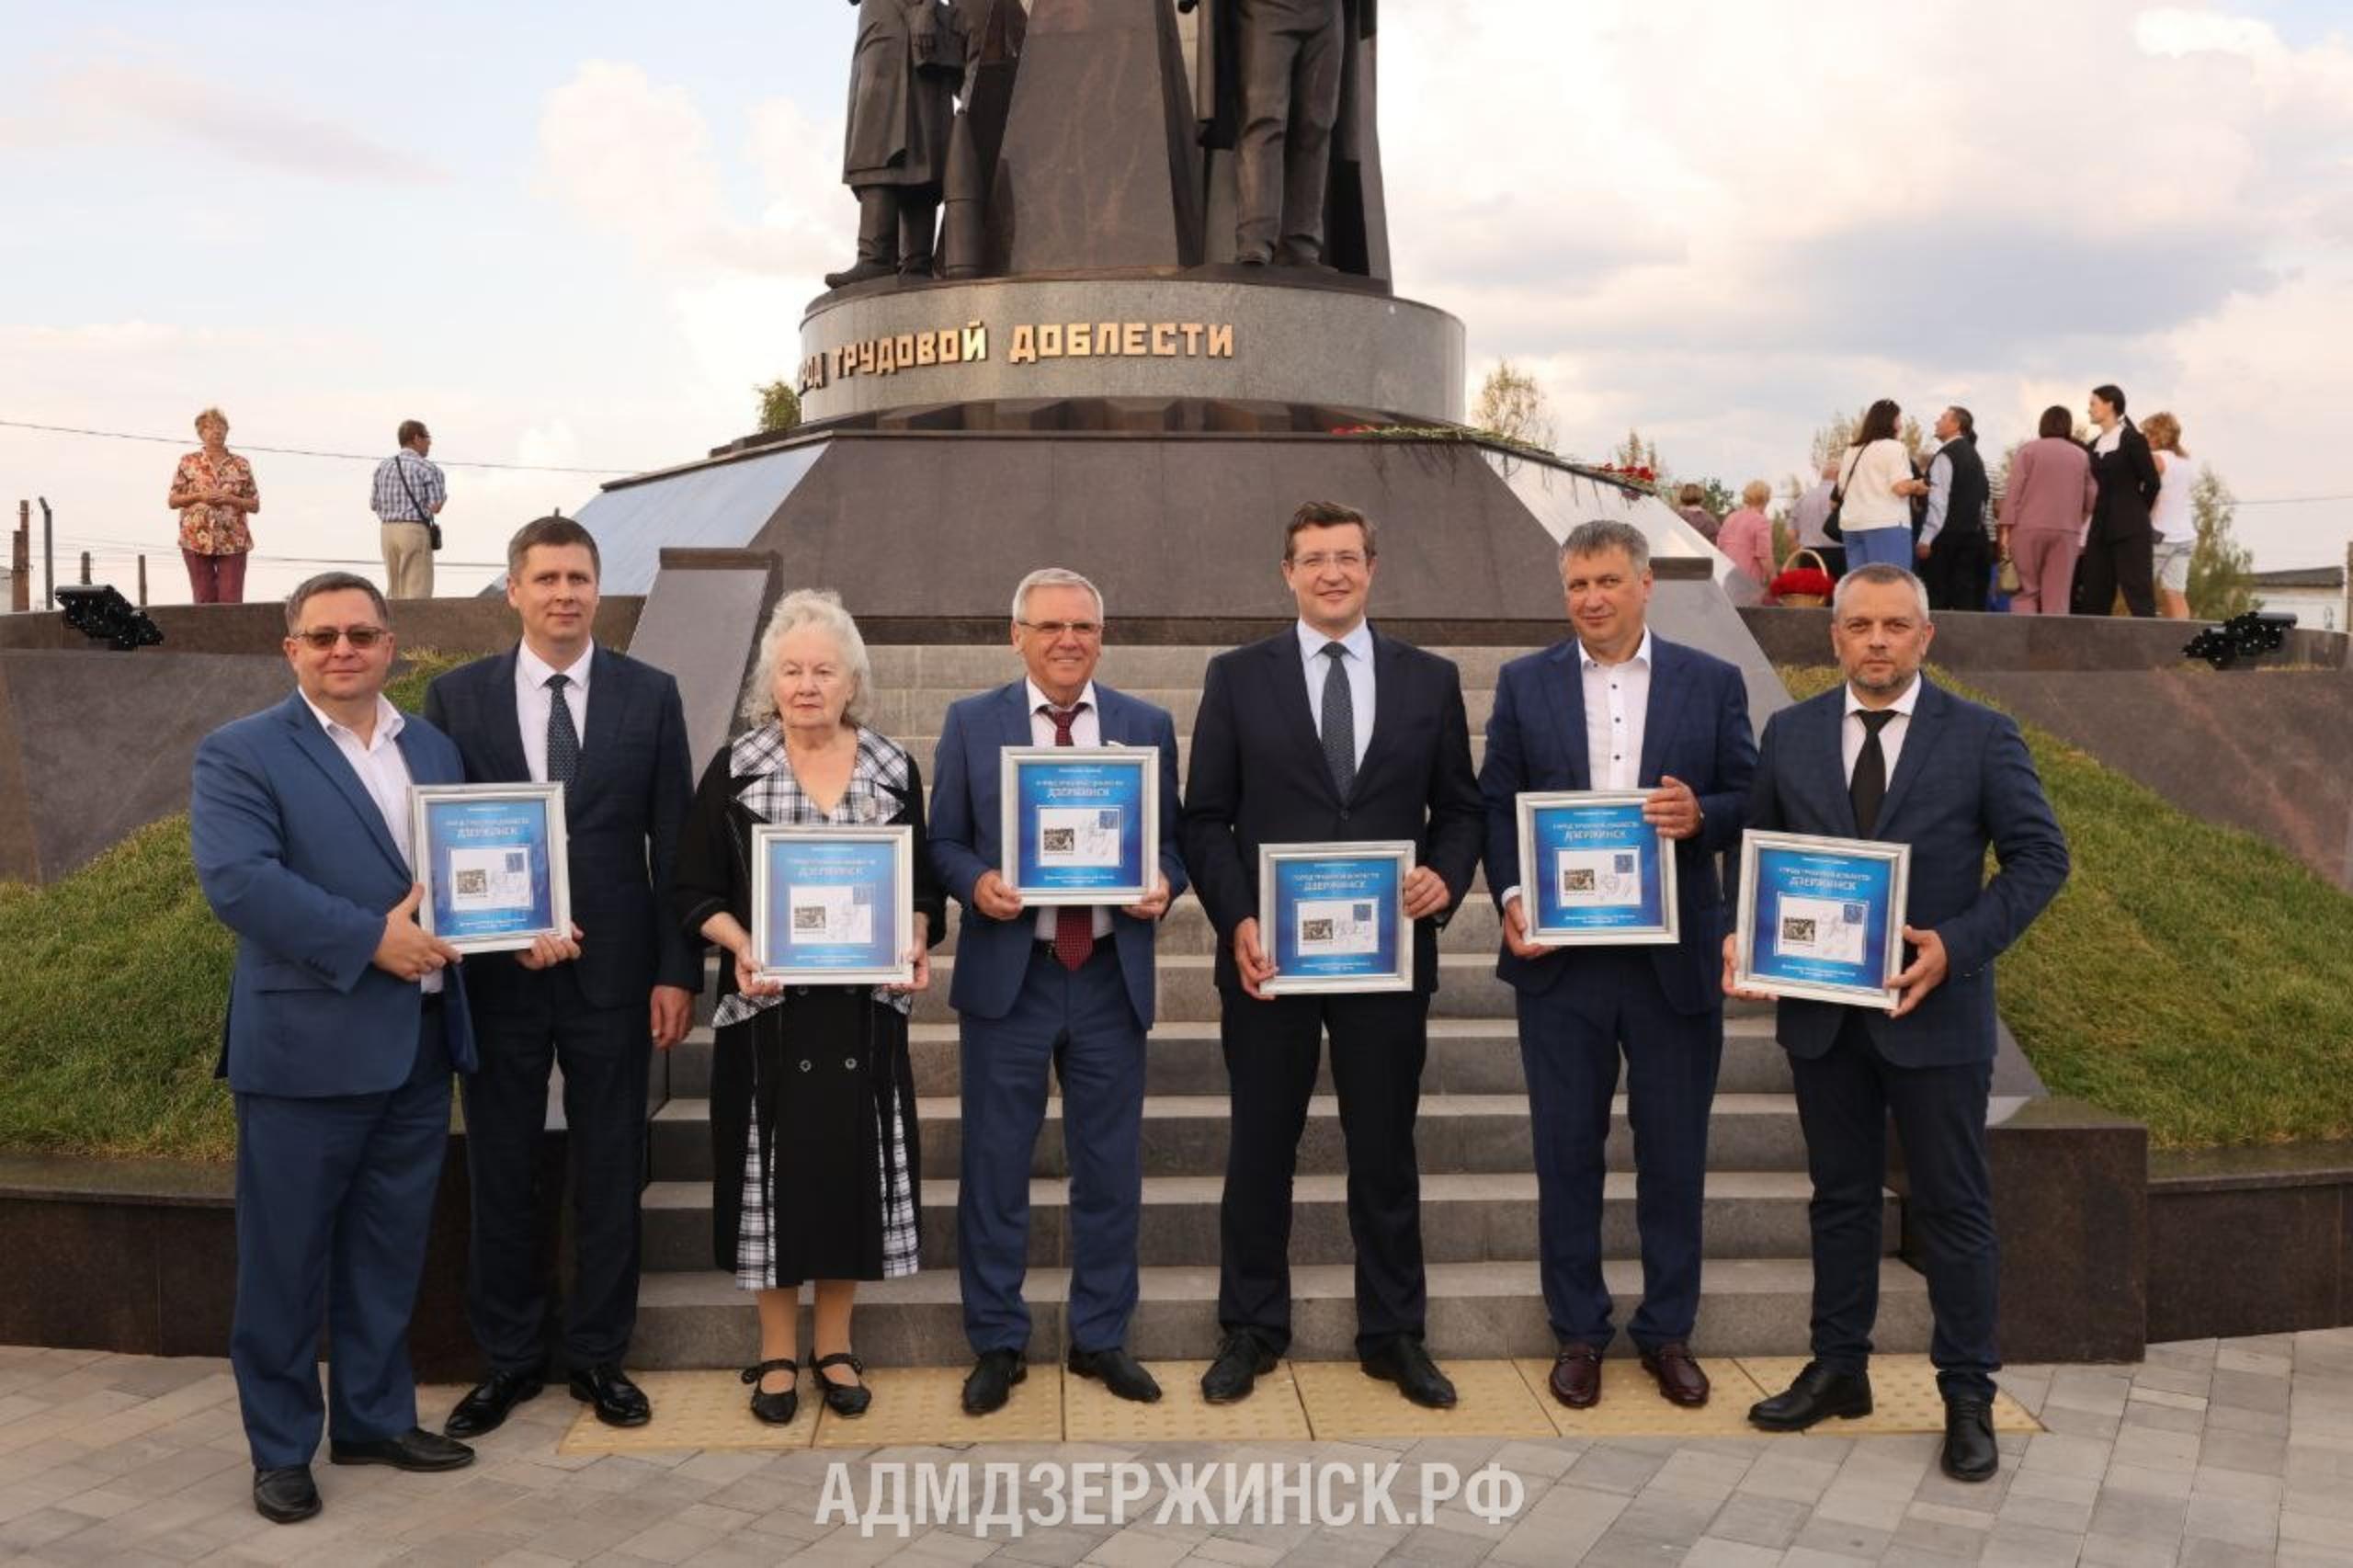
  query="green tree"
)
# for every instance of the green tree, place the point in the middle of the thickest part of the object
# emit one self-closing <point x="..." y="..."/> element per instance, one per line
<point x="1512" y="408"/>
<point x="2221" y="571"/>
<point x="1831" y="441"/>
<point x="780" y="406"/>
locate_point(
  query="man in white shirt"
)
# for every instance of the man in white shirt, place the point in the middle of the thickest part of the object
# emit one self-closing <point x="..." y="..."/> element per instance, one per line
<point x="345" y="1018"/>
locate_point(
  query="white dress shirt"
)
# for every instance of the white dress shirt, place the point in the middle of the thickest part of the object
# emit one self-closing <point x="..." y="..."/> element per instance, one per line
<point x="533" y="703"/>
<point x="383" y="773"/>
<point x="1087" y="730"/>
<point x="1358" y="663"/>
<point x="1617" y="700"/>
<point x="1890" y="737"/>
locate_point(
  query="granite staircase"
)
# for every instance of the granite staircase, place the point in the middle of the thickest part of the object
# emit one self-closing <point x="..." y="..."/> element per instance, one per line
<point x="1478" y="1181"/>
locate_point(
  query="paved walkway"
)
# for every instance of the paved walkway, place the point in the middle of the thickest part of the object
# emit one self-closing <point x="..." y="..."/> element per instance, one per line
<point x="2209" y="1453"/>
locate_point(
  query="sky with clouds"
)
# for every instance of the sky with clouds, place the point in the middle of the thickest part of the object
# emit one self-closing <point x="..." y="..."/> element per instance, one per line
<point x="575" y="237"/>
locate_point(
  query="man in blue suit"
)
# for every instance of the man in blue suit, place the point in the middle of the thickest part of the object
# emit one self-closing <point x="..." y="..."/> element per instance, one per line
<point x="345" y="1018"/>
<point x="557" y="707"/>
<point x="1617" y="708"/>
<point x="1887" y="756"/>
<point x="1068" y="986"/>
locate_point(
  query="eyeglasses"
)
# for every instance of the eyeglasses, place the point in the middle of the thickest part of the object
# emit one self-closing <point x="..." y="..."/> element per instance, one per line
<point x="1346" y="560"/>
<point x="1053" y="630"/>
<point x="325" y="638"/>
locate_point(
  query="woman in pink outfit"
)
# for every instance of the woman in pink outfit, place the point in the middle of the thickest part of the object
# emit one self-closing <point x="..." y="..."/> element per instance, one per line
<point x="2047" y="501"/>
<point x="1746" y="536"/>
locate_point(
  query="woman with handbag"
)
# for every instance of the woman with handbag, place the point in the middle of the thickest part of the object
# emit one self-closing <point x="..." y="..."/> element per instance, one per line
<point x="1875" y="488"/>
<point x="2040" y="532"/>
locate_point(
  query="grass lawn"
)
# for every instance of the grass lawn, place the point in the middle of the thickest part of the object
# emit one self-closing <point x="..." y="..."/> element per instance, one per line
<point x="112" y="999"/>
<point x="2190" y="975"/>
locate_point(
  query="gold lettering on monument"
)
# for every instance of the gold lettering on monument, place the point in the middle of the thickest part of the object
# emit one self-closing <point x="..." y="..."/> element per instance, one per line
<point x="1032" y="341"/>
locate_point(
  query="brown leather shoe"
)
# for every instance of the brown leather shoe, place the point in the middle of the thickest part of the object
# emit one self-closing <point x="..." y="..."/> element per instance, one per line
<point x="1576" y="1376"/>
<point x="1680" y="1381"/>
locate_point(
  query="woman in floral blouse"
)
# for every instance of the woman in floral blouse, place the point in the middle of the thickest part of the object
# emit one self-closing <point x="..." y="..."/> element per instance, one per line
<point x="213" y="492"/>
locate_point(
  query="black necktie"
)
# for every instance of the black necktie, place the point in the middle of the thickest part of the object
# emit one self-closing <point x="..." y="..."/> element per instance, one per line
<point x="1868" y="789"/>
<point x="1073" y="923"/>
<point x="563" y="741"/>
<point x="1339" y="722"/>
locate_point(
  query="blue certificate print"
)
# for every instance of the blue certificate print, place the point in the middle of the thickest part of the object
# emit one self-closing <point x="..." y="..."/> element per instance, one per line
<point x="1332" y="917"/>
<point x="829" y="906"/>
<point x="1593" y="870"/>
<point x="1821" y="918"/>
<point x="492" y="860"/>
<point x="1080" y="826"/>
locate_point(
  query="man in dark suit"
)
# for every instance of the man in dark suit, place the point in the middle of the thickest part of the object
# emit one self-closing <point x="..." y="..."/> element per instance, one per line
<point x="1617" y="708"/>
<point x="345" y="1018"/>
<point x="1069" y="987"/>
<point x="556" y="708"/>
<point x="1326" y="731"/>
<point x="1889" y="756"/>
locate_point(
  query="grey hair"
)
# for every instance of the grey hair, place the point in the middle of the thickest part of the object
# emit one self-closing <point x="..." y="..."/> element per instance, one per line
<point x="1879" y="571"/>
<point x="333" y="583"/>
<point x="1054" y="577"/>
<point x="819" y="608"/>
<point x="1606" y="534"/>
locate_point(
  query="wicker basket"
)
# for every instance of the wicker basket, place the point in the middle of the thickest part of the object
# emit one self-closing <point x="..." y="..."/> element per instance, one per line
<point x="1804" y="601"/>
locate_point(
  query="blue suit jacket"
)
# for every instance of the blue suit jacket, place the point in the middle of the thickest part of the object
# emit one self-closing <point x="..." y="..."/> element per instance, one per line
<point x="1962" y="781"/>
<point x="623" y="819"/>
<point x="1695" y="729"/>
<point x="967" y="813"/>
<point x="295" y="858"/>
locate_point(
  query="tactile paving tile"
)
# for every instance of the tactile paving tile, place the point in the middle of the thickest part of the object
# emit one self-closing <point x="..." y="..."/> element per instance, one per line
<point x="926" y="1405"/>
<point x="1631" y="1406"/>
<point x="1903" y="1397"/>
<point x="692" y="1410"/>
<point x="1092" y="1414"/>
<point x="1494" y="1401"/>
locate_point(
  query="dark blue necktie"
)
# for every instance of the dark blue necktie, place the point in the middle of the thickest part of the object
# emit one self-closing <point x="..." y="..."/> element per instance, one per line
<point x="1339" y="722"/>
<point x="563" y="741"/>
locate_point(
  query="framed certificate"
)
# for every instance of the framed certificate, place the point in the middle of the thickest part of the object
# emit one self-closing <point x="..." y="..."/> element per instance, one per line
<point x="1333" y="917"/>
<point x="834" y="905"/>
<point x="1821" y="918"/>
<point x="492" y="859"/>
<point x="1081" y="824"/>
<point x="1592" y="871"/>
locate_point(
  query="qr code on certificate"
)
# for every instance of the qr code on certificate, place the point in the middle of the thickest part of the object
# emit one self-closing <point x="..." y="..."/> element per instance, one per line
<point x="1360" y="911"/>
<point x="1623" y="865"/>
<point x="1854" y="914"/>
<point x="515" y="863"/>
<point x="1108" y="819"/>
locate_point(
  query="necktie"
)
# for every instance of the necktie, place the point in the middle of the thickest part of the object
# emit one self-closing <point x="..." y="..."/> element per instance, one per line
<point x="1869" y="786"/>
<point x="563" y="741"/>
<point x="1339" y="722"/>
<point x="1073" y="923"/>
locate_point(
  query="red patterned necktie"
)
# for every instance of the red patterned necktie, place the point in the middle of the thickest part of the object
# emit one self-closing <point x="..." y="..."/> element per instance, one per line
<point x="1073" y="923"/>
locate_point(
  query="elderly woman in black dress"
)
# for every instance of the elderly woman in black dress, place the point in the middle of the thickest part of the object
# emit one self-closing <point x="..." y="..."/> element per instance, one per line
<point x="812" y="1108"/>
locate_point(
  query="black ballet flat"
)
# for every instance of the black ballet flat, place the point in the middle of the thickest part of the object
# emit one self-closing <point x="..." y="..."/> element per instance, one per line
<point x="843" y="1399"/>
<point x="776" y="1409"/>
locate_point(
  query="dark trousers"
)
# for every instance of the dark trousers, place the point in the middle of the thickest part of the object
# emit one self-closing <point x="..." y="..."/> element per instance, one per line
<point x="2112" y="566"/>
<point x="1291" y="101"/>
<point x="539" y="1023"/>
<point x="1081" y="1024"/>
<point x="1844" y="1100"/>
<point x="1271" y="1050"/>
<point x="335" y="1201"/>
<point x="1570" y="1040"/>
<point x="895" y="224"/>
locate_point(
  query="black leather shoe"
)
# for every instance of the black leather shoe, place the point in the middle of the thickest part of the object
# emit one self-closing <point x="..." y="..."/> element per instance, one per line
<point x="1970" y="1453"/>
<point x="285" y="1494"/>
<point x="1405" y="1362"/>
<point x="415" y="1448"/>
<point x="617" y="1402"/>
<point x="1121" y="1372"/>
<point x="1817" y="1393"/>
<point x="1241" y="1359"/>
<point x="488" y="1404"/>
<point x="992" y="1380"/>
<point x="774" y="1409"/>
<point x="843" y="1399"/>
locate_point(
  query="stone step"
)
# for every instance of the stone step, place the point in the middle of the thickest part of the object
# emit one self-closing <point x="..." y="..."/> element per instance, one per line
<point x="923" y="711"/>
<point x="1749" y="1307"/>
<point x="963" y="668"/>
<point x="1465" y="1219"/>
<point x="1467" y="1056"/>
<point x="1185" y="1135"/>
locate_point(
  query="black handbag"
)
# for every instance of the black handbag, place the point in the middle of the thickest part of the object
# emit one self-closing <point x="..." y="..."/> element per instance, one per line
<point x="1830" y="529"/>
<point x="432" y="528"/>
